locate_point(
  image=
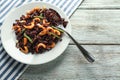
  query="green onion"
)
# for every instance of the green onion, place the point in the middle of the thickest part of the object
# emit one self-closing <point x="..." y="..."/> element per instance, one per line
<point x="25" y="35"/>
<point x="40" y="16"/>
<point x="57" y="28"/>
<point x="54" y="34"/>
<point x="23" y="30"/>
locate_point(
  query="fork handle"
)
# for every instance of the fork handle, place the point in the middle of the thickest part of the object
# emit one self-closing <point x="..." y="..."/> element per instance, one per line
<point x="84" y="51"/>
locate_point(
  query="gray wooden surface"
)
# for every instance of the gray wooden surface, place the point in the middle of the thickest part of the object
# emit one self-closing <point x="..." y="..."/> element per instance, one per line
<point x="96" y="25"/>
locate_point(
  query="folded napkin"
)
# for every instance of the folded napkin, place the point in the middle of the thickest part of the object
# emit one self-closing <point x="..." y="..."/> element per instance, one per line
<point x="10" y="69"/>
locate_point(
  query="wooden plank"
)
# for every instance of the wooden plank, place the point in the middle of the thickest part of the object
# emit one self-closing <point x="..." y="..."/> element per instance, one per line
<point x="96" y="26"/>
<point x="100" y="4"/>
<point x="72" y="65"/>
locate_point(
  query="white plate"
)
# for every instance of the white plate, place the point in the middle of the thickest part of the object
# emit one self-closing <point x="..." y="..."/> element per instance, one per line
<point x="9" y="40"/>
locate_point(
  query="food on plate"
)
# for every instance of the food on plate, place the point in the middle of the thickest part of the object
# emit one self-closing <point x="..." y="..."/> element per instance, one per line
<point x="36" y="31"/>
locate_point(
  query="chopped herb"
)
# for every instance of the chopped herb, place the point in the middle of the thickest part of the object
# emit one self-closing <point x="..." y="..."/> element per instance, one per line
<point x="57" y="28"/>
<point x="40" y="16"/>
<point x="25" y="35"/>
<point x="54" y="34"/>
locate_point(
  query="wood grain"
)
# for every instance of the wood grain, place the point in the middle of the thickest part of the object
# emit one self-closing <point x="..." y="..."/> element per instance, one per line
<point x="96" y="26"/>
<point x="72" y="65"/>
<point x="103" y="4"/>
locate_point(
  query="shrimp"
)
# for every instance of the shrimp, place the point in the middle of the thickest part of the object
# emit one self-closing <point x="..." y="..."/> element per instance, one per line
<point x="45" y="23"/>
<point x="52" y="45"/>
<point x="31" y="26"/>
<point x="16" y="28"/>
<point x="40" y="45"/>
<point x="44" y="31"/>
<point x="50" y="29"/>
<point x="25" y="50"/>
<point x="24" y="41"/>
<point x="36" y="19"/>
<point x="57" y="32"/>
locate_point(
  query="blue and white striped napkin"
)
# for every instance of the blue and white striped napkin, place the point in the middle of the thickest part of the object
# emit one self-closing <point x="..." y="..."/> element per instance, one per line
<point x="10" y="69"/>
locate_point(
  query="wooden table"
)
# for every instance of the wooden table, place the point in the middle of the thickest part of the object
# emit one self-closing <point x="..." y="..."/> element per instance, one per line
<point x="96" y="25"/>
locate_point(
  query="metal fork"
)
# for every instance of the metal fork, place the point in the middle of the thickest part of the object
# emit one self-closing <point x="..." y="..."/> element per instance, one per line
<point x="85" y="53"/>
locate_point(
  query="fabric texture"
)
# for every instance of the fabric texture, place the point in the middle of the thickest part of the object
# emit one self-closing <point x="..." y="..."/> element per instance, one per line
<point x="11" y="69"/>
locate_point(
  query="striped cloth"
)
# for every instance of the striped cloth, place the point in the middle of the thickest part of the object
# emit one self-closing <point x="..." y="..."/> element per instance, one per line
<point x="10" y="69"/>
